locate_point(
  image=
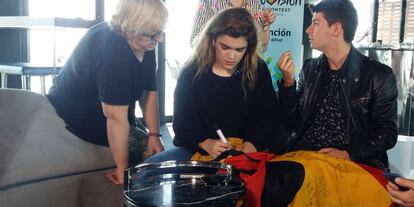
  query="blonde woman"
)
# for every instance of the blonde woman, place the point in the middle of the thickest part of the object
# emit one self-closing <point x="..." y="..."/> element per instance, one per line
<point x="112" y="67"/>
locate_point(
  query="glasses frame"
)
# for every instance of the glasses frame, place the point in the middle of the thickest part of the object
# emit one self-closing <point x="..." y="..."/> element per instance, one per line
<point x="154" y="37"/>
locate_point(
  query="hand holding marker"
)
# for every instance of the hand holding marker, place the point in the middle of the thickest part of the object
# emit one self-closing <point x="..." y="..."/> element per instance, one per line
<point x="221" y="135"/>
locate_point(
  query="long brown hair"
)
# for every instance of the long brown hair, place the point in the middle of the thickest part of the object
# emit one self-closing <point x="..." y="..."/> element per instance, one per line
<point x="234" y="22"/>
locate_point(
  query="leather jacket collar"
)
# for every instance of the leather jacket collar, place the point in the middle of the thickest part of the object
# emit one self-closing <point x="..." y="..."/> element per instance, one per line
<point x="351" y="72"/>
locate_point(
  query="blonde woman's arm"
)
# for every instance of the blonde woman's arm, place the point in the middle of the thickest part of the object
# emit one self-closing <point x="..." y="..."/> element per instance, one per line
<point x="117" y="132"/>
<point x="150" y="112"/>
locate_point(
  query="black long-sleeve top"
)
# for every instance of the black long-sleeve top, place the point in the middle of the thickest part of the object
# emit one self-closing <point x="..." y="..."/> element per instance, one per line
<point x="208" y="100"/>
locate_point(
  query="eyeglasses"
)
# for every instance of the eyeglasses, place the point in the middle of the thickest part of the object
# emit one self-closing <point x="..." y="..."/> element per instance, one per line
<point x="154" y="37"/>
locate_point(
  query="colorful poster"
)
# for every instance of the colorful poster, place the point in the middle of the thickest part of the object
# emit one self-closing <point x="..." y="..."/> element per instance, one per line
<point x="285" y="34"/>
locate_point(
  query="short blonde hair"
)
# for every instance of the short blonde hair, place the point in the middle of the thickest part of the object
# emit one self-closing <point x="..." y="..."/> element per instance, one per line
<point x="139" y="16"/>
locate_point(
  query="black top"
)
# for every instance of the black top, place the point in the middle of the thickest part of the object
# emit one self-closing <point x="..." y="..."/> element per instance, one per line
<point x="326" y="127"/>
<point x="208" y="100"/>
<point x="102" y="68"/>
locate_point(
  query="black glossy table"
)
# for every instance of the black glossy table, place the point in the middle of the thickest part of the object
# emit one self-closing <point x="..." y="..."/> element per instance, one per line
<point x="182" y="183"/>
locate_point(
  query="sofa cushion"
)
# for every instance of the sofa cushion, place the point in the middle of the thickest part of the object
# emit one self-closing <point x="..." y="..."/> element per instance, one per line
<point x="34" y="143"/>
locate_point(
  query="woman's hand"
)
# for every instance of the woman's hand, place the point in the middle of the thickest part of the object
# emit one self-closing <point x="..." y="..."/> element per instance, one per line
<point x="117" y="130"/>
<point x="117" y="176"/>
<point x="154" y="146"/>
<point x="287" y="67"/>
<point x="214" y="147"/>
<point x="402" y="198"/>
<point x="148" y="103"/>
<point x="268" y="17"/>
<point x="248" y="147"/>
<point x="335" y="153"/>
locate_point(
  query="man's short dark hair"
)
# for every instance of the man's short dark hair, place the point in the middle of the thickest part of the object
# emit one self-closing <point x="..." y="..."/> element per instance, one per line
<point x="339" y="11"/>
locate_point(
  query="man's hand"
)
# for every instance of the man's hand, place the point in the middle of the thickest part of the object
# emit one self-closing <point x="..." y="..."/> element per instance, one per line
<point x="214" y="147"/>
<point x="117" y="176"/>
<point x="402" y="198"/>
<point x="287" y="67"/>
<point x="335" y="153"/>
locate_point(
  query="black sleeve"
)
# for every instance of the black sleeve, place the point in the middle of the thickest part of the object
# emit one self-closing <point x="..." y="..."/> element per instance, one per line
<point x="268" y="121"/>
<point x="114" y="79"/>
<point x="289" y="99"/>
<point x="187" y="127"/>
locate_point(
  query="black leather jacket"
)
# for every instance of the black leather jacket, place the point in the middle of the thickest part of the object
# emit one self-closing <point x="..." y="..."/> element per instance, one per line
<point x="370" y="94"/>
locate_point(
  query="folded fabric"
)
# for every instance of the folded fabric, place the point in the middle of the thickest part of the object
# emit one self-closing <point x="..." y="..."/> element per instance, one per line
<point x="310" y="178"/>
<point x="254" y="181"/>
<point x="331" y="181"/>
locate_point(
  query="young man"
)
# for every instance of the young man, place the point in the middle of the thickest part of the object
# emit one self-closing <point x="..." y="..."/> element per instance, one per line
<point x="344" y="104"/>
<point x="343" y="107"/>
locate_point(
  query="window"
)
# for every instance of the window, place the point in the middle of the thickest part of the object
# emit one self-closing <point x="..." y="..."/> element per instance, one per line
<point x="389" y="18"/>
<point x="363" y="35"/>
<point x="365" y="10"/>
<point x="178" y="50"/>
<point x="409" y="22"/>
<point x="110" y="6"/>
<point x="53" y="45"/>
<point x="84" y="9"/>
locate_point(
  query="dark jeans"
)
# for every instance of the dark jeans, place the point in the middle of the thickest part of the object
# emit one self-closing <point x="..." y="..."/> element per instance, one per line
<point x="176" y="153"/>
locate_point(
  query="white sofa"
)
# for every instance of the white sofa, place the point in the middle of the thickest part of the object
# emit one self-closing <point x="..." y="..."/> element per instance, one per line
<point x="43" y="164"/>
<point x="402" y="156"/>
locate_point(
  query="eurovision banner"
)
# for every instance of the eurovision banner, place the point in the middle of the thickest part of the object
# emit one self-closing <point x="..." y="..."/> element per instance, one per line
<point x="285" y="34"/>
